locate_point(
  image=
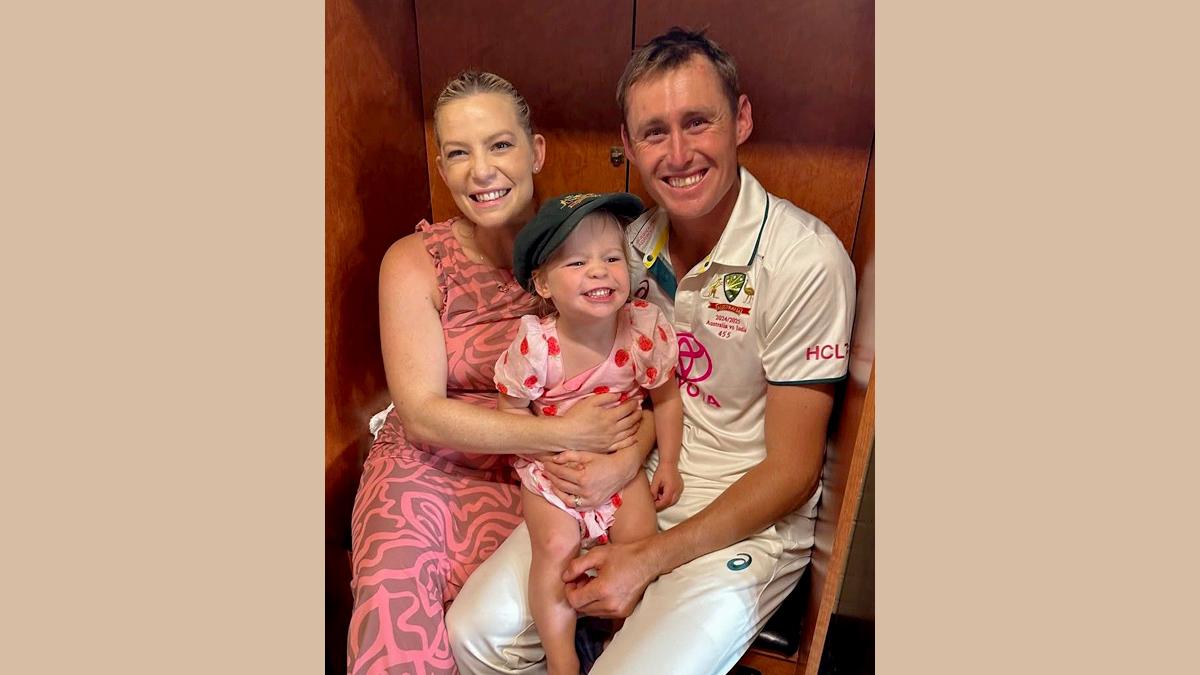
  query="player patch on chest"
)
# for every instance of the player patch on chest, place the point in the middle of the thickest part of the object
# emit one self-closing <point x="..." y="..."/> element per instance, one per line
<point x="729" y="298"/>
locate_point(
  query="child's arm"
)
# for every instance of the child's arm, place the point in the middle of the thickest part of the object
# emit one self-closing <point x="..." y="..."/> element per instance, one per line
<point x="510" y="404"/>
<point x="667" y="484"/>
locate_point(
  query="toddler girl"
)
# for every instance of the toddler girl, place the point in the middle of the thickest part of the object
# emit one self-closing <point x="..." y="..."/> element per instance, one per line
<point x="573" y="254"/>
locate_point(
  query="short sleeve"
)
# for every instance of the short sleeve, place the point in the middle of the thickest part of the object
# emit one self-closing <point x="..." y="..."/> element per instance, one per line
<point x="655" y="347"/>
<point x="521" y="369"/>
<point x="807" y="309"/>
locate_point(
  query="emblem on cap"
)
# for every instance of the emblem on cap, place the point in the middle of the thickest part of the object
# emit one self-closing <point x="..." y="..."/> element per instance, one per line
<point x="571" y="201"/>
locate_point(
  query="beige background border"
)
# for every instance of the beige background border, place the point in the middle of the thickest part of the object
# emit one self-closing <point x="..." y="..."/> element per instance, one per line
<point x="162" y="266"/>
<point x="1034" y="178"/>
<point x="162" y="187"/>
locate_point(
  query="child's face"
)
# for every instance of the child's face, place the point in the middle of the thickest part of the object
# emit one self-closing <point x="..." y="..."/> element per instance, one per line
<point x="587" y="277"/>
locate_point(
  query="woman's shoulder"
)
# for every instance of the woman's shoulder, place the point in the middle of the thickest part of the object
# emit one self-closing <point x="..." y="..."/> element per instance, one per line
<point x="426" y="241"/>
<point x="410" y="260"/>
<point x="405" y="252"/>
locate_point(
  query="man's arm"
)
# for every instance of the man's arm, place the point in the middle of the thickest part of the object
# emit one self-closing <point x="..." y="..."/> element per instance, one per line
<point x="796" y="420"/>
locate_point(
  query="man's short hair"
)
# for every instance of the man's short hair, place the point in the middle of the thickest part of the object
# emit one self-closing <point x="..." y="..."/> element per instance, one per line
<point x="670" y="51"/>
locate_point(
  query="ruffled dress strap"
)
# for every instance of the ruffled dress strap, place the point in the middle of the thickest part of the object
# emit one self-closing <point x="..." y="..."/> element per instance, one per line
<point x="472" y="292"/>
<point x="448" y="256"/>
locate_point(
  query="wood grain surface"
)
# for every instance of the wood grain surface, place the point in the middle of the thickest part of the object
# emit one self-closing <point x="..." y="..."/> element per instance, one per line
<point x="376" y="190"/>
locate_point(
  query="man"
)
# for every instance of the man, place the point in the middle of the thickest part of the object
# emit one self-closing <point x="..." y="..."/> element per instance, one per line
<point x="761" y="295"/>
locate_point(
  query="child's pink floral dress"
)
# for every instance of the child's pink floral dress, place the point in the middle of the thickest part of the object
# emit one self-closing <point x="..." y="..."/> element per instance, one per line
<point x="642" y="357"/>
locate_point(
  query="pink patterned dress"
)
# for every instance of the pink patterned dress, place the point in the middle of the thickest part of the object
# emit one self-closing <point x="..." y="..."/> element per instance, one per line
<point x="425" y="517"/>
<point x="642" y="357"/>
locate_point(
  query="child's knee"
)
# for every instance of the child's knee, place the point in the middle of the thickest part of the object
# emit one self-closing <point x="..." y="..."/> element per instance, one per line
<point x="559" y="543"/>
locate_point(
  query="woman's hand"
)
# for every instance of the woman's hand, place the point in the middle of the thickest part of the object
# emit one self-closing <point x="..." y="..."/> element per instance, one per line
<point x="593" y="478"/>
<point x="597" y="425"/>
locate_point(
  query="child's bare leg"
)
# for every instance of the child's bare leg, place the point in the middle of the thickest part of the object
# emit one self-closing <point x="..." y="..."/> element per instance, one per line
<point x="555" y="538"/>
<point x="635" y="519"/>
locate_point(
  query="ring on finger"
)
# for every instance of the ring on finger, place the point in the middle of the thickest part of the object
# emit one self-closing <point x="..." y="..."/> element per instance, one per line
<point x="577" y="501"/>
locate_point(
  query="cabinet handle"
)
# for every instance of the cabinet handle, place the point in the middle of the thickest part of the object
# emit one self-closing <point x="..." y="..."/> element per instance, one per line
<point x="616" y="155"/>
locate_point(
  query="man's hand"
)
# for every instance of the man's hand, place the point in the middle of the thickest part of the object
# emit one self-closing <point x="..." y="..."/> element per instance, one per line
<point x="623" y="571"/>
<point x="666" y="486"/>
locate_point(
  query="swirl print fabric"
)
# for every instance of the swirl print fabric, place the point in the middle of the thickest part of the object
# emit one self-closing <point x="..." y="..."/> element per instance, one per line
<point x="426" y="517"/>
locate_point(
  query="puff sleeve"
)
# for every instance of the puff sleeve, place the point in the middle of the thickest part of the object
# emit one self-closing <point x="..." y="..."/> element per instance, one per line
<point x="521" y="369"/>
<point x="655" y="348"/>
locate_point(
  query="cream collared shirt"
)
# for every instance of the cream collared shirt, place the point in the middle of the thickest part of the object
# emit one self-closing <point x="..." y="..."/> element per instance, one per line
<point x="772" y="303"/>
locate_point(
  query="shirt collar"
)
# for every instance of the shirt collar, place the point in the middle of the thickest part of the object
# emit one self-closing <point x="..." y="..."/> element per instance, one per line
<point x="738" y="243"/>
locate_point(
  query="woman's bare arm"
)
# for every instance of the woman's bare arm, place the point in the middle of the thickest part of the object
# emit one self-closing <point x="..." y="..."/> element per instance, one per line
<point x="414" y="358"/>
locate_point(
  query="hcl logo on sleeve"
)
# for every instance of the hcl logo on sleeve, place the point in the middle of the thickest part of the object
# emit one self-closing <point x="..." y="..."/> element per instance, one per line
<point x="820" y="352"/>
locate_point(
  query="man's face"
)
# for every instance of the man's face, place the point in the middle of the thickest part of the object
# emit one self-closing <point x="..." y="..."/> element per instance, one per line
<point x="683" y="138"/>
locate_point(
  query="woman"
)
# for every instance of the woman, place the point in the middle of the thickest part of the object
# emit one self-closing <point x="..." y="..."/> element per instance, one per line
<point x="437" y="495"/>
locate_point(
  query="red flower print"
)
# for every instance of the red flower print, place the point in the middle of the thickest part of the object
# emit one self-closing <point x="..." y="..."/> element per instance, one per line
<point x="662" y="334"/>
<point x="554" y="350"/>
<point x="651" y="373"/>
<point x="624" y="397"/>
<point x="621" y="357"/>
<point x="531" y="380"/>
<point x="524" y="345"/>
<point x="550" y="410"/>
<point x="600" y="390"/>
<point x="501" y="388"/>
<point x="616" y="500"/>
<point x="640" y="304"/>
<point x="602" y="539"/>
<point x="644" y="343"/>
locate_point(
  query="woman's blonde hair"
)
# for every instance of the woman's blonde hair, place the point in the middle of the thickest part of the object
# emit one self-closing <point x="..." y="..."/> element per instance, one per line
<point x="471" y="82"/>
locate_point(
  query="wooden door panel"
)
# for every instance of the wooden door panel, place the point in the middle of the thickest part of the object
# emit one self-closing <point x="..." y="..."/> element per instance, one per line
<point x="808" y="68"/>
<point x="564" y="56"/>
<point x="376" y="189"/>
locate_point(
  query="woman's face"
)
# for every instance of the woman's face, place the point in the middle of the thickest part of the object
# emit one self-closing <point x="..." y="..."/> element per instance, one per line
<point x="487" y="160"/>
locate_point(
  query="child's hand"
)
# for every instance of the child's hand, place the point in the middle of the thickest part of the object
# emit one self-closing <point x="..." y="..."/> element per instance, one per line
<point x="666" y="486"/>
